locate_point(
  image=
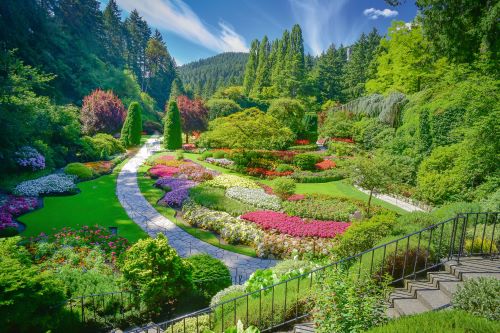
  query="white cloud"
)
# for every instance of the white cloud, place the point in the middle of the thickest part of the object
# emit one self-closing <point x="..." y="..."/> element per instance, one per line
<point x="374" y="14"/>
<point x="177" y="17"/>
<point x="324" y="22"/>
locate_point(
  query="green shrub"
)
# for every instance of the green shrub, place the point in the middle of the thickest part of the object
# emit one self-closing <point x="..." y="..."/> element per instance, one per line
<point x="323" y="207"/>
<point x="153" y="268"/>
<point x="179" y="155"/>
<point x="284" y="168"/>
<point x="205" y="155"/>
<point x="284" y="187"/>
<point x="345" y="303"/>
<point x="306" y="161"/>
<point x="172" y="133"/>
<point x="219" y="154"/>
<point x="311" y="147"/>
<point x="80" y="170"/>
<point x="193" y="324"/>
<point x="363" y="235"/>
<point x="100" y="147"/>
<point x="341" y="148"/>
<point x="479" y="297"/>
<point x="318" y="177"/>
<point x="210" y="275"/>
<point x="404" y="262"/>
<point x="230" y="292"/>
<point x="480" y="245"/>
<point x="132" y="127"/>
<point x="453" y="321"/>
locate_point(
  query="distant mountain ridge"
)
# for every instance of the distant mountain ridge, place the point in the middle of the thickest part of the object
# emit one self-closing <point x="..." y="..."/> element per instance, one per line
<point x="205" y="76"/>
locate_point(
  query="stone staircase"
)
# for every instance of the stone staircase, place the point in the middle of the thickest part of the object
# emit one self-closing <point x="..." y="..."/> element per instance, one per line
<point x="435" y="293"/>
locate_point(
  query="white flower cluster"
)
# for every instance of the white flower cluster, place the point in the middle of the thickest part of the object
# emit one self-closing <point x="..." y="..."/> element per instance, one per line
<point x="227" y="181"/>
<point x="234" y="289"/>
<point x="51" y="184"/>
<point x="223" y="162"/>
<point x="231" y="229"/>
<point x="254" y="196"/>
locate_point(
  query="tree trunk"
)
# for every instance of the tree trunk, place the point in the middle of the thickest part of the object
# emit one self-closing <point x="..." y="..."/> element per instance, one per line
<point x="187" y="138"/>
<point x="369" y="202"/>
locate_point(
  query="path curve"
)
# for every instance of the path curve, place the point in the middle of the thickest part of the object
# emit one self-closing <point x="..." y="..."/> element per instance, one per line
<point x="151" y="221"/>
<point x="393" y="201"/>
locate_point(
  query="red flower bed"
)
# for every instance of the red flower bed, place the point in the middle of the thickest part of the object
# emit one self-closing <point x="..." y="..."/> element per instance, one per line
<point x="296" y="226"/>
<point x="188" y="146"/>
<point x="160" y="170"/>
<point x="296" y="197"/>
<point x="326" y="165"/>
<point x="261" y="172"/>
<point x="348" y="140"/>
<point x="302" y="142"/>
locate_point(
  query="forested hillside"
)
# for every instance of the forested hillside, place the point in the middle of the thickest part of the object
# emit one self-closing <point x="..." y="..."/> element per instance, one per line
<point x="204" y="77"/>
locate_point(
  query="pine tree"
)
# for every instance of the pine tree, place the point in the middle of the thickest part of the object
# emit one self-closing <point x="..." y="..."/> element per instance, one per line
<point x="295" y="65"/>
<point x="278" y="75"/>
<point x="251" y="67"/>
<point x="176" y="90"/>
<point x="262" y="76"/>
<point x="172" y="134"/>
<point x="132" y="127"/>
<point x="138" y="33"/>
<point x="114" y="40"/>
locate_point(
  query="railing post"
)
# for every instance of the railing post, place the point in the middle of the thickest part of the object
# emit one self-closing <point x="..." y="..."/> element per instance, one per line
<point x="452" y="240"/>
<point x="462" y="236"/>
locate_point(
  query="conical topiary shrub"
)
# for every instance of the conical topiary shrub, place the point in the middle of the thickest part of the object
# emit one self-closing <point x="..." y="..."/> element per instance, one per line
<point x="172" y="133"/>
<point x="132" y="127"/>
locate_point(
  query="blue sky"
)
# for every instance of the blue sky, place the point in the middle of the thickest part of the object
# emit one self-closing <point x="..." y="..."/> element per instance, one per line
<point x="195" y="29"/>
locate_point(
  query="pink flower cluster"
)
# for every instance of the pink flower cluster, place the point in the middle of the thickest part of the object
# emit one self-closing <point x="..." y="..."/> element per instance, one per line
<point x="296" y="197"/>
<point x="160" y="171"/>
<point x="15" y="206"/>
<point x="296" y="226"/>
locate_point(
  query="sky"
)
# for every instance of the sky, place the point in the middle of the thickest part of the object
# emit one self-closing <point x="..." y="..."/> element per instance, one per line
<point x="196" y="29"/>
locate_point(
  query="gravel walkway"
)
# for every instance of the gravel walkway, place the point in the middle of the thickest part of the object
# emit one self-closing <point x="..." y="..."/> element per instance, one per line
<point x="393" y="201"/>
<point x="148" y="218"/>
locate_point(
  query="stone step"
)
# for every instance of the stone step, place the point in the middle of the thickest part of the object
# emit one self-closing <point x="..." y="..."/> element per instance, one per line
<point x="449" y="287"/>
<point x="308" y="327"/>
<point x="410" y="306"/>
<point x="433" y="299"/>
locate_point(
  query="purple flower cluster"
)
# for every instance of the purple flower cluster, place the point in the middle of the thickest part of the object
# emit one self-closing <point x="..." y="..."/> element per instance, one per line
<point x="15" y="206"/>
<point x="29" y="157"/>
<point x="178" y="190"/>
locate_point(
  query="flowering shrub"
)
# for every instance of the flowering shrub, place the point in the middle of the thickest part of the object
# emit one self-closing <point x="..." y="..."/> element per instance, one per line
<point x="223" y="162"/>
<point x="102" y="112"/>
<point x="257" y="197"/>
<point x="195" y="172"/>
<point x="14" y="206"/>
<point x="188" y="146"/>
<point x="231" y="229"/>
<point x="296" y="197"/>
<point x="162" y="159"/>
<point x="100" y="167"/>
<point x="227" y="181"/>
<point x="51" y="184"/>
<point x="302" y="142"/>
<point x="323" y="207"/>
<point x="87" y="236"/>
<point x="326" y="165"/>
<point x="178" y="190"/>
<point x="281" y="246"/>
<point x="296" y="226"/>
<point x="160" y="170"/>
<point x="347" y="140"/>
<point x="284" y="155"/>
<point x="29" y="157"/>
<point x="261" y="172"/>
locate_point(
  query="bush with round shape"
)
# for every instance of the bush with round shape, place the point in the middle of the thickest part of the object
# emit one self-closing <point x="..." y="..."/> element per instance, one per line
<point x="100" y="147"/>
<point x="132" y="127"/>
<point x="307" y="161"/>
<point x="152" y="267"/>
<point x="284" y="168"/>
<point x="453" y="321"/>
<point x="200" y="324"/>
<point x="210" y="275"/>
<point x="230" y="292"/>
<point x="102" y="112"/>
<point x="479" y="297"/>
<point x="205" y="155"/>
<point x="80" y="170"/>
<point x="172" y="133"/>
<point x="219" y="154"/>
<point x="284" y="187"/>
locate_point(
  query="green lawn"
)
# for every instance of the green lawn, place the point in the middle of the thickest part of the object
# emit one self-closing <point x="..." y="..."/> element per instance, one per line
<point x="95" y="204"/>
<point x="153" y="194"/>
<point x="340" y="188"/>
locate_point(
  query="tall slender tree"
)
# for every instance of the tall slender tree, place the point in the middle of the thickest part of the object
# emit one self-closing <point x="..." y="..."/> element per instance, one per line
<point x="172" y="134"/>
<point x="251" y="67"/>
<point x="132" y="127"/>
<point x="138" y="33"/>
<point x="114" y="34"/>
<point x="262" y="76"/>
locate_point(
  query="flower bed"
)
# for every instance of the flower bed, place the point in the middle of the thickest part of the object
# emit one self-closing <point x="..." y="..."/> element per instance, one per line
<point x="51" y="184"/>
<point x="227" y="181"/>
<point x="29" y="157"/>
<point x="188" y="146"/>
<point x="195" y="172"/>
<point x="257" y="197"/>
<point x="323" y="207"/>
<point x="317" y="176"/>
<point x="326" y="165"/>
<point x="231" y="229"/>
<point x="100" y="167"/>
<point x="14" y="206"/>
<point x="281" y="246"/>
<point x="160" y="170"/>
<point x="296" y="197"/>
<point x="178" y="190"/>
<point x="296" y="226"/>
<point x="262" y="172"/>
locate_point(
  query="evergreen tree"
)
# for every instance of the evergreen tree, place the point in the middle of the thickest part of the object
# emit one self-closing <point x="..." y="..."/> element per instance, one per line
<point x="176" y="90"/>
<point x="251" y="67"/>
<point x="172" y="134"/>
<point x="114" y="40"/>
<point x="278" y="75"/>
<point x="262" y="77"/>
<point x="294" y="65"/>
<point x="138" y="33"/>
<point x="329" y="74"/>
<point x="132" y="127"/>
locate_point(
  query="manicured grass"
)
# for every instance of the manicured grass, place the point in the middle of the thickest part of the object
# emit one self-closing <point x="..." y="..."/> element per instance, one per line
<point x="340" y="188"/>
<point x="153" y="194"/>
<point x="95" y="204"/>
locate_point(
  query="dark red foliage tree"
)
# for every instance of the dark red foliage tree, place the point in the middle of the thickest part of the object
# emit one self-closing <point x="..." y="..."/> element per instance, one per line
<point x="194" y="115"/>
<point x="102" y="112"/>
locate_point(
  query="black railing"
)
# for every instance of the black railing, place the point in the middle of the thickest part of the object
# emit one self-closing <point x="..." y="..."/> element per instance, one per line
<point x="408" y="257"/>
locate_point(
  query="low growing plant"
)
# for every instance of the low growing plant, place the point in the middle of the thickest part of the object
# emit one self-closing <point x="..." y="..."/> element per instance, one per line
<point x="284" y="187"/>
<point x="479" y="297"/>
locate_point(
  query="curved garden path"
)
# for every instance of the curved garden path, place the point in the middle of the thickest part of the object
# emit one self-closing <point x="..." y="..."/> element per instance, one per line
<point x="151" y="221"/>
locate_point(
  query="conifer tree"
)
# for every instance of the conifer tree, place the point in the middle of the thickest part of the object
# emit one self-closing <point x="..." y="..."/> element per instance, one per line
<point x="176" y="90"/>
<point x="172" y="134"/>
<point x="114" y="39"/>
<point x="278" y="75"/>
<point x="251" y="67"/>
<point x="132" y="127"/>
<point x="294" y="70"/>
<point x="262" y="76"/>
